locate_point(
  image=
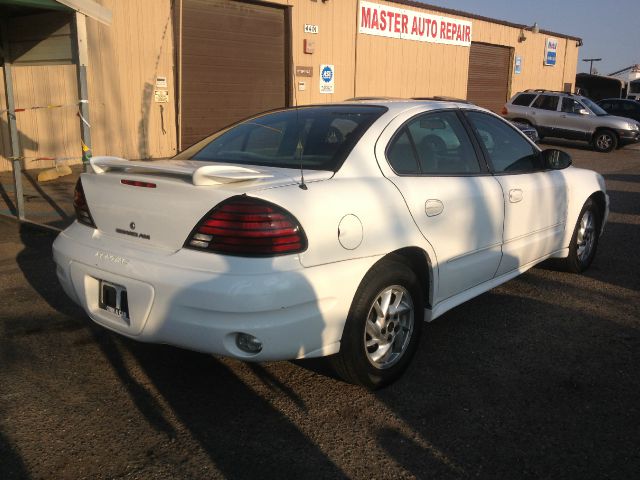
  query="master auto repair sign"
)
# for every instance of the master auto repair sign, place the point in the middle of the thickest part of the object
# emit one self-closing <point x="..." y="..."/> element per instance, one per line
<point x="386" y="21"/>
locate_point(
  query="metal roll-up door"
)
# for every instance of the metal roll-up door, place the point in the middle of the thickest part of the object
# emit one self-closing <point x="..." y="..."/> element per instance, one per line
<point x="234" y="64"/>
<point x="489" y="70"/>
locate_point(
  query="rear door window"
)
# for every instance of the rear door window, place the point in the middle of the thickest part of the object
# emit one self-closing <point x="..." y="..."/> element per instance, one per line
<point x="546" y="102"/>
<point x="569" y="105"/>
<point x="434" y="143"/>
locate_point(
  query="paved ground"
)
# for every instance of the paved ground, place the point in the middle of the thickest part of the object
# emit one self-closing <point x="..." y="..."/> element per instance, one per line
<point x="535" y="379"/>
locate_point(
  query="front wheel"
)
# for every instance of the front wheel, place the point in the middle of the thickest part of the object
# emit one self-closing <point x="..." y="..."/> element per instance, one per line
<point x="383" y="327"/>
<point x="584" y="241"/>
<point x="605" y="141"/>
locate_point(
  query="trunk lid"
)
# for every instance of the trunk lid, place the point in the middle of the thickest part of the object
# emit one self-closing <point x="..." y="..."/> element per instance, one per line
<point x="171" y="196"/>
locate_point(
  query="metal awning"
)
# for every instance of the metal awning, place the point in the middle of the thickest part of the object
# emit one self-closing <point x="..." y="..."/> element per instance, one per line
<point x="90" y="8"/>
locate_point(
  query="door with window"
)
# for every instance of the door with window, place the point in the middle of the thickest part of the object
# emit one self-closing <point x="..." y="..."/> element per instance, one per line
<point x="574" y="123"/>
<point x="545" y="114"/>
<point x="456" y="204"/>
<point x="535" y="201"/>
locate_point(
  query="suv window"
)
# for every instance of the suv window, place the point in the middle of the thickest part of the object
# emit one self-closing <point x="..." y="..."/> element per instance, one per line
<point x="570" y="105"/>
<point x="507" y="150"/>
<point x="630" y="107"/>
<point x="434" y="143"/>
<point x="607" y="105"/>
<point x="546" y="102"/>
<point x="524" y="99"/>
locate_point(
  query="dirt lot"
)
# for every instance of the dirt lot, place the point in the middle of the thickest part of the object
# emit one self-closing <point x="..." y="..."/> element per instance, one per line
<point x="535" y="379"/>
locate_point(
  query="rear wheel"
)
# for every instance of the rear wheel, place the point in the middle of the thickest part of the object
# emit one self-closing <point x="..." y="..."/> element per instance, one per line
<point x="604" y="141"/>
<point x="584" y="241"/>
<point x="383" y="326"/>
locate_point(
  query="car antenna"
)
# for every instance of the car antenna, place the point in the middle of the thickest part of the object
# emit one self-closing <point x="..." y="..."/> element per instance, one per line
<point x="299" y="145"/>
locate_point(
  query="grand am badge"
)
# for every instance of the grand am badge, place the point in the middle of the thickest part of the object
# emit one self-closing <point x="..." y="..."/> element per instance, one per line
<point x="131" y="232"/>
<point x="109" y="257"/>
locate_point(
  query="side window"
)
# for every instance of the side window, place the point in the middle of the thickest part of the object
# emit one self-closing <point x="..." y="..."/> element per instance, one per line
<point x="524" y="99"/>
<point x="401" y="154"/>
<point x="630" y="107"/>
<point x="508" y="151"/>
<point x="606" y="106"/>
<point x="546" y="102"/>
<point x="442" y="144"/>
<point x="569" y="105"/>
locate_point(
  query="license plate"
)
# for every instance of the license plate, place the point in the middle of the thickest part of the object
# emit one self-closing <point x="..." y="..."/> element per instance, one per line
<point x="113" y="299"/>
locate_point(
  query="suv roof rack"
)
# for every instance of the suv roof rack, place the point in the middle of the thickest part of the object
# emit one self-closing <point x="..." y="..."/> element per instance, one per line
<point x="542" y="90"/>
<point x="361" y="99"/>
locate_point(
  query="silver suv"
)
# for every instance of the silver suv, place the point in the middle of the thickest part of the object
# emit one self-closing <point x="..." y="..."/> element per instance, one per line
<point x="564" y="115"/>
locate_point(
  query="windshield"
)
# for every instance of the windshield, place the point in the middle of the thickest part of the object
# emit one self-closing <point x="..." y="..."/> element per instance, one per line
<point x="314" y="138"/>
<point x="594" y="107"/>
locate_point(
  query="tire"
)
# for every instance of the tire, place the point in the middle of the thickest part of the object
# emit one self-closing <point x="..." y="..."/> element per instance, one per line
<point x="584" y="241"/>
<point x="605" y="141"/>
<point x="375" y="350"/>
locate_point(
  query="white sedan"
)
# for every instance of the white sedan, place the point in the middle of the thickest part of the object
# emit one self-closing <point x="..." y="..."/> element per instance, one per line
<point x="330" y="230"/>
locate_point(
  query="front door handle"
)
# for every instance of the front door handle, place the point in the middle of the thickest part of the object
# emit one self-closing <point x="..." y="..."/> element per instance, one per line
<point x="515" y="195"/>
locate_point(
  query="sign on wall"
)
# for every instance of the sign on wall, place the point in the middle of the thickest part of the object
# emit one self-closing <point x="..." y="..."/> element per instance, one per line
<point x="518" y="65"/>
<point x="386" y="21"/>
<point x="327" y="79"/>
<point x="550" y="50"/>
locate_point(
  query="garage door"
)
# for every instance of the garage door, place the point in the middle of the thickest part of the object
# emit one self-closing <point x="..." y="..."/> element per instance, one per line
<point x="234" y="64"/>
<point x="489" y="70"/>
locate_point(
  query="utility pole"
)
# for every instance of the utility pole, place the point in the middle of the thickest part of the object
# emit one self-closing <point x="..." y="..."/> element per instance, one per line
<point x="591" y="60"/>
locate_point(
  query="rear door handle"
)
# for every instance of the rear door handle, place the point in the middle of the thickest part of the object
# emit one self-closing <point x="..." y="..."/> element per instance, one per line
<point x="515" y="195"/>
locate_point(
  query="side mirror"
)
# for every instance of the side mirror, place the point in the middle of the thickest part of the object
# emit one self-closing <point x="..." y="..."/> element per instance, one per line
<point x="583" y="111"/>
<point x="556" y="159"/>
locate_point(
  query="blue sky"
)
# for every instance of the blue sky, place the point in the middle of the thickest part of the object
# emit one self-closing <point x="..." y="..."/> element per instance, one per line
<point x="610" y="29"/>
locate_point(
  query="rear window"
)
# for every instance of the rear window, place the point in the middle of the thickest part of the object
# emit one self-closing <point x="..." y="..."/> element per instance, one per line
<point x="314" y="138"/>
<point x="524" y="99"/>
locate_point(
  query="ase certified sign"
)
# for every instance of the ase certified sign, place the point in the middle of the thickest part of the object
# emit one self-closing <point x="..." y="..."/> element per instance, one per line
<point x="327" y="79"/>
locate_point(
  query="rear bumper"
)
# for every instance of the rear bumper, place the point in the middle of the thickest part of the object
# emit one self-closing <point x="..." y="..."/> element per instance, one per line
<point x="295" y="312"/>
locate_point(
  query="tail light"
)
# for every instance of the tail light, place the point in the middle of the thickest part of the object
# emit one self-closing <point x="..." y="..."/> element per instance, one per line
<point x="80" y="204"/>
<point x="247" y="226"/>
<point x="504" y="111"/>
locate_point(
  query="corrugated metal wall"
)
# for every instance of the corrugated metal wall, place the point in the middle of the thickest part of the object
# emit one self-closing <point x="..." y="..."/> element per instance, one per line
<point x="127" y="57"/>
<point x="234" y="64"/>
<point x="489" y="68"/>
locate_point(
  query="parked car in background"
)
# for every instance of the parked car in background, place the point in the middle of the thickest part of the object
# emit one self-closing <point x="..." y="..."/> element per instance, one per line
<point x="528" y="130"/>
<point x="621" y="107"/>
<point x="329" y="230"/>
<point x="573" y="117"/>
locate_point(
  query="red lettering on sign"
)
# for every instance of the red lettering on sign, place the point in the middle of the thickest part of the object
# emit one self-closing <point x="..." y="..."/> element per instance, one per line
<point x="396" y="23"/>
<point x="443" y="29"/>
<point x="391" y="16"/>
<point x="365" y="17"/>
<point x="454" y="31"/>
<point x="467" y="33"/>
<point x="414" y="27"/>
<point x="405" y="22"/>
<point x="383" y="20"/>
<point x="374" y="19"/>
<point x="434" y="29"/>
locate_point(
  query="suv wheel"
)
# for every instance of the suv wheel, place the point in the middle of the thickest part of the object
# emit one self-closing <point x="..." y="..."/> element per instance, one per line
<point x="604" y="141"/>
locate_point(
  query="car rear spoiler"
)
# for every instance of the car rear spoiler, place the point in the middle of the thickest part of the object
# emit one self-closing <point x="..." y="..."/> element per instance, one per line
<point x="200" y="176"/>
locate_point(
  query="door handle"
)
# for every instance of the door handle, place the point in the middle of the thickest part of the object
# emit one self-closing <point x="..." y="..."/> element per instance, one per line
<point x="515" y="195"/>
<point x="433" y="208"/>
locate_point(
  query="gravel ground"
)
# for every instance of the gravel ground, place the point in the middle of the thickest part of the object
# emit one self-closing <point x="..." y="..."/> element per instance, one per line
<point x="534" y="379"/>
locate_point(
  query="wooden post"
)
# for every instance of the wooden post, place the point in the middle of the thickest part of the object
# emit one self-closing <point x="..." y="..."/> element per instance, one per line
<point x="13" y="127"/>
<point x="83" y="90"/>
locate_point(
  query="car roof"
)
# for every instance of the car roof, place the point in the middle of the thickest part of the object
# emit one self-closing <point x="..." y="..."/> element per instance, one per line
<point x="397" y="105"/>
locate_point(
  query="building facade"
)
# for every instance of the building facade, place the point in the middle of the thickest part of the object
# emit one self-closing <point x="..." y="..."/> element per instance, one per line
<point x="166" y="73"/>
